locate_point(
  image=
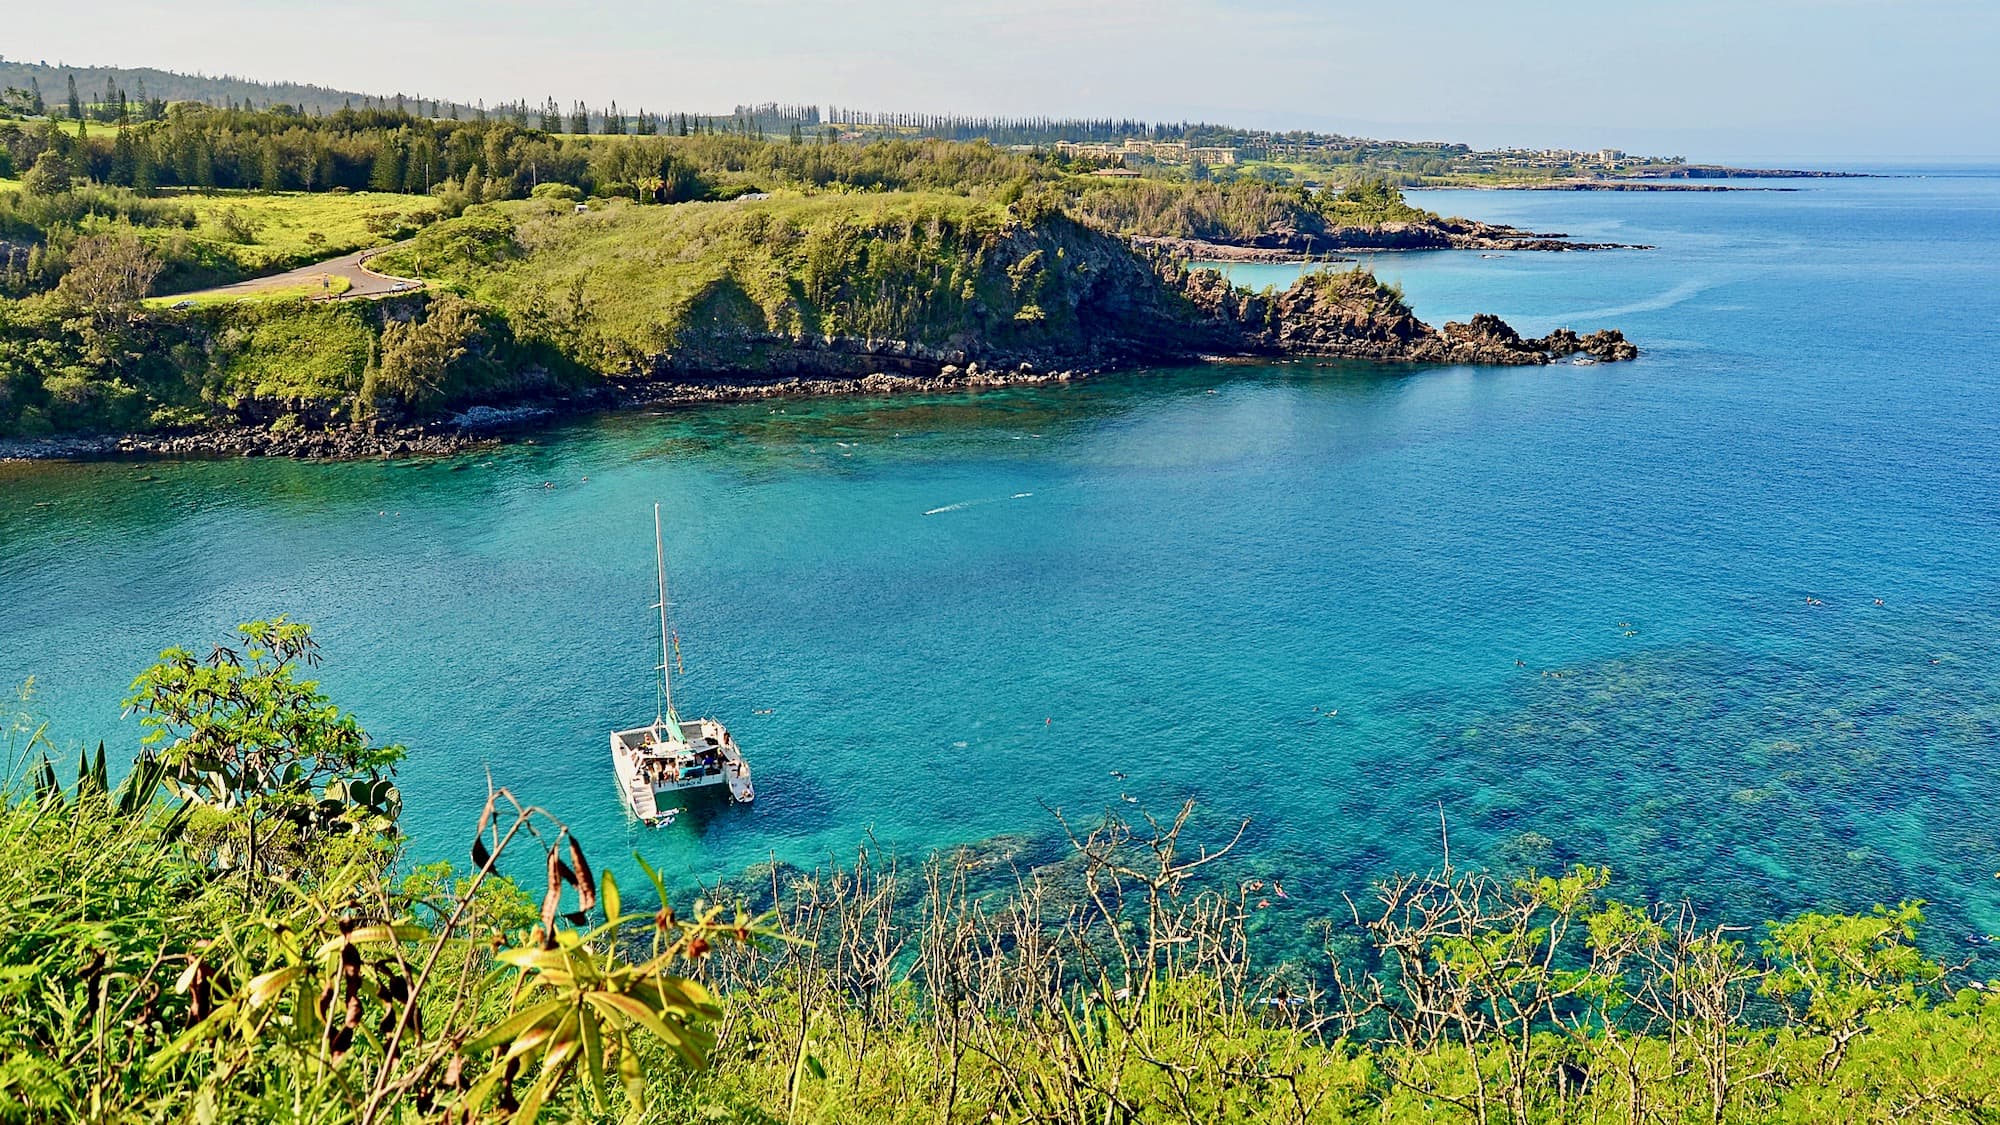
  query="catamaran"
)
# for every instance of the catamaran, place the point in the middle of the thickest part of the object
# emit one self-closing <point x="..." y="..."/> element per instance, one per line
<point x="670" y="755"/>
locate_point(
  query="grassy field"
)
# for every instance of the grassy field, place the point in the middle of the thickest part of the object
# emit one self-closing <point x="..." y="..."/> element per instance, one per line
<point x="636" y="276"/>
<point x="262" y="232"/>
<point x="324" y="285"/>
<point x="215" y="237"/>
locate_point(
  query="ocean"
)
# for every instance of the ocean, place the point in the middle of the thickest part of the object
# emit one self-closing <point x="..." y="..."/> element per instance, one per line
<point x="1724" y="618"/>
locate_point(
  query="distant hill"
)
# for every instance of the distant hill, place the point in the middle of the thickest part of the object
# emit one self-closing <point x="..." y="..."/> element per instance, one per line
<point x="140" y="83"/>
<point x="1195" y="147"/>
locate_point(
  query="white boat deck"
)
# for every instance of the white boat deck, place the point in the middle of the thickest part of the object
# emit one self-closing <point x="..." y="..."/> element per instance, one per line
<point x="669" y="754"/>
<point x="651" y="762"/>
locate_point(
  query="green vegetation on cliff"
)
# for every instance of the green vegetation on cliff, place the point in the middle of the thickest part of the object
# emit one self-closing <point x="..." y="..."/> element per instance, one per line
<point x="254" y="362"/>
<point x="231" y="934"/>
<point x="534" y="296"/>
<point x="713" y="286"/>
<point x="697" y="255"/>
<point x="1243" y="214"/>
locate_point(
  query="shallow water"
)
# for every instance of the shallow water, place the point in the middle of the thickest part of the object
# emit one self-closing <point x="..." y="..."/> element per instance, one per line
<point x="1566" y="605"/>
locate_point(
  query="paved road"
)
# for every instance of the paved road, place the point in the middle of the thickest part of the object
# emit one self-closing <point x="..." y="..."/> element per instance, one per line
<point x="362" y="281"/>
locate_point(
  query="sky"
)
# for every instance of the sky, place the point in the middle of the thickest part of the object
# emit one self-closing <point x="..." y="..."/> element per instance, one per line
<point x="1737" y="80"/>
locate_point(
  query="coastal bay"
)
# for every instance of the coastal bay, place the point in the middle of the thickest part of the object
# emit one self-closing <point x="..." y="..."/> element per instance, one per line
<point x="1181" y="575"/>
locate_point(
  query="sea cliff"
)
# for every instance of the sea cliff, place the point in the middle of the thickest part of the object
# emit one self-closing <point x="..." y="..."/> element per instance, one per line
<point x="538" y="311"/>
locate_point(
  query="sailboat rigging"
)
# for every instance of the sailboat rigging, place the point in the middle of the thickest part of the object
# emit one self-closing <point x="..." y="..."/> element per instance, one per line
<point x="671" y="755"/>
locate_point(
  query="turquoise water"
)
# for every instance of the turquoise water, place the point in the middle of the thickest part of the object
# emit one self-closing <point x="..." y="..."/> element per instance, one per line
<point x="1567" y="605"/>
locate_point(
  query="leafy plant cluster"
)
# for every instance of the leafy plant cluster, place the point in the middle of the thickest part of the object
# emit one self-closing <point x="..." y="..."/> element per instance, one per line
<point x="1121" y="983"/>
<point x="1242" y="213"/>
<point x="220" y="938"/>
<point x="121" y="369"/>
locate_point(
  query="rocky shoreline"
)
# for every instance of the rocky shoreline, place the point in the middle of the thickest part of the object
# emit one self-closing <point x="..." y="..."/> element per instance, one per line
<point x="338" y="443"/>
<point x="1190" y="315"/>
<point x="1725" y="172"/>
<point x="1446" y="234"/>
<point x="482" y="426"/>
<point x="1599" y="185"/>
<point x="1199" y="250"/>
<point x="485" y="426"/>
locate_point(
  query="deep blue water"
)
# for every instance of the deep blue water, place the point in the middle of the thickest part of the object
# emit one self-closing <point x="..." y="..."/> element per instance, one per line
<point x="957" y="610"/>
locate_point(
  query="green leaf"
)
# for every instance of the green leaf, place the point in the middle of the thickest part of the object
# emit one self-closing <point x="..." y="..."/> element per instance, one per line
<point x="621" y="1005"/>
<point x="544" y="960"/>
<point x="631" y="1076"/>
<point x="262" y="989"/>
<point x="515" y="1025"/>
<point x="531" y="1103"/>
<point x="593" y="1056"/>
<point x="659" y="884"/>
<point x="371" y="935"/>
<point x="612" y="911"/>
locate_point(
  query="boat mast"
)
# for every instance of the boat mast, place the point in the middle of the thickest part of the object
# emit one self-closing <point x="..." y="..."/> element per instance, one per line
<point x="666" y="656"/>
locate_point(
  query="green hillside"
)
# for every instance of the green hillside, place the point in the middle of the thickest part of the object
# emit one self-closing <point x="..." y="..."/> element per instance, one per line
<point x="143" y="83"/>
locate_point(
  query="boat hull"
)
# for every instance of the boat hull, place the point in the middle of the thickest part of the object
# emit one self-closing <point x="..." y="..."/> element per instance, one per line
<point x="654" y="763"/>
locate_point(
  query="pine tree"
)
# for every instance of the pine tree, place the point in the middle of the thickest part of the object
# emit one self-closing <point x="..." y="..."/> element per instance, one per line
<point x="270" y="175"/>
<point x="124" y="159"/>
<point x="75" y="103"/>
<point x="309" y="165"/>
<point x="144" y="177"/>
<point x="417" y="176"/>
<point x="579" y="119"/>
<point x="36" y="105"/>
<point x="204" y="164"/>
<point x="387" y="175"/>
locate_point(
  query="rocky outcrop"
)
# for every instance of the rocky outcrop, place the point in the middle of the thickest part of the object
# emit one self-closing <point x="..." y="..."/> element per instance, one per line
<point x="950" y="377"/>
<point x="1608" y="185"/>
<point x="1196" y="249"/>
<point x="1721" y="172"/>
<point x="1352" y="315"/>
<point x="1291" y="245"/>
<point x="1606" y="344"/>
<point x="332" y="443"/>
<point x="1042" y="303"/>
<point x="1469" y="234"/>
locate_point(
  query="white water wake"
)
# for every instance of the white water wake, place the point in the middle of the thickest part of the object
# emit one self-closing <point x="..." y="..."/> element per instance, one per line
<point x="964" y="504"/>
<point x="1685" y="291"/>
